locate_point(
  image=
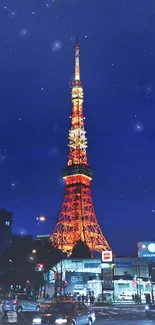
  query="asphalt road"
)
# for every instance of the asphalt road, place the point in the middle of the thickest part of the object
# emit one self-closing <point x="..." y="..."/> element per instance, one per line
<point x="111" y="316"/>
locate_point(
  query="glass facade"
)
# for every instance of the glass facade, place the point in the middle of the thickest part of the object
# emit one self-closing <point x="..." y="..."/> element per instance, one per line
<point x="130" y="275"/>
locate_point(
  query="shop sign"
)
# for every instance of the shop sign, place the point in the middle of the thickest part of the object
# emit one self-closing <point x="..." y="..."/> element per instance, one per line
<point x="107" y="256"/>
<point x="107" y="279"/>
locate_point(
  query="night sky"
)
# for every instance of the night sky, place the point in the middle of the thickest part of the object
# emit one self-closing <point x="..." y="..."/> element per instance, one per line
<point x="117" y="56"/>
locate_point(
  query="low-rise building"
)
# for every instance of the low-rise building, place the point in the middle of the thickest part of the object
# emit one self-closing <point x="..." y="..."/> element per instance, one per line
<point x="85" y="276"/>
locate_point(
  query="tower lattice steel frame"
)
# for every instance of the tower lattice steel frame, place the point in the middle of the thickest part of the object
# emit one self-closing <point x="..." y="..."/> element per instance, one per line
<point x="77" y="219"/>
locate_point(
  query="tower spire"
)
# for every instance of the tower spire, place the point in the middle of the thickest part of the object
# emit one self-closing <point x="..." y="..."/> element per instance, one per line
<point x="77" y="59"/>
<point x="77" y="135"/>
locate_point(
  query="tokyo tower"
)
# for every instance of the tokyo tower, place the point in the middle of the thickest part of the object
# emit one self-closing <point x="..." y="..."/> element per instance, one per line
<point x="77" y="219"/>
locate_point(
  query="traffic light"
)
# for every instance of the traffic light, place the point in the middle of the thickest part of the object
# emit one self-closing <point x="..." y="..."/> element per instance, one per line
<point x="39" y="268"/>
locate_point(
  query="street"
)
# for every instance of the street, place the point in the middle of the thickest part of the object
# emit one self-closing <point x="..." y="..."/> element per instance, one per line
<point x="106" y="315"/>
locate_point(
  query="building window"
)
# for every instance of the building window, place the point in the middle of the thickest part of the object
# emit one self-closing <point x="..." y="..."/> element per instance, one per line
<point x="7" y="223"/>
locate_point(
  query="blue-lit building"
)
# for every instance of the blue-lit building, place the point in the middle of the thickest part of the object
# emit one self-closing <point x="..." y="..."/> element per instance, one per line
<point x="5" y="230"/>
<point x="147" y="250"/>
<point x="85" y="276"/>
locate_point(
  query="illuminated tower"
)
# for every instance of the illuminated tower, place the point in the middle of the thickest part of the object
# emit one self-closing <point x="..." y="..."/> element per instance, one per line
<point x="77" y="219"/>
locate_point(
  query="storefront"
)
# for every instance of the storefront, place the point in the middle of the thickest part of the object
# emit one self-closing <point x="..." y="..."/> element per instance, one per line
<point x="84" y="276"/>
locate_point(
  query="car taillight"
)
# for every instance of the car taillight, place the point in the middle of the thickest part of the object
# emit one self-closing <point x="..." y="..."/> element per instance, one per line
<point x="15" y="302"/>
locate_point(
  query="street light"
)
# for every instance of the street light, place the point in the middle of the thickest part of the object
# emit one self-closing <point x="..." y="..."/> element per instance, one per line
<point x="44" y="218"/>
<point x="34" y="251"/>
<point x="41" y="218"/>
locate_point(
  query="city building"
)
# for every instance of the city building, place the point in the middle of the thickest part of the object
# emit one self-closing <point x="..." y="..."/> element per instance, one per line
<point x="77" y="220"/>
<point x="84" y="276"/>
<point x="147" y="250"/>
<point x="5" y="230"/>
<point x="43" y="239"/>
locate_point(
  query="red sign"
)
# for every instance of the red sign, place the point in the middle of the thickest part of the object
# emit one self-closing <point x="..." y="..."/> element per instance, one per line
<point x="106" y="256"/>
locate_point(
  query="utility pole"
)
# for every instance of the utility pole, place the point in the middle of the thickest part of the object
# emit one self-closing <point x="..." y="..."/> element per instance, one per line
<point x="61" y="280"/>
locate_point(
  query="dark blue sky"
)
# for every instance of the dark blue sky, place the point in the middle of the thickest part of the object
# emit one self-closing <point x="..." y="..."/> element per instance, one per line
<point x="117" y="48"/>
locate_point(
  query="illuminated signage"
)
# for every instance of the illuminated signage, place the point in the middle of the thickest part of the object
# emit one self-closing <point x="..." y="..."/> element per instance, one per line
<point x="146" y="249"/>
<point x="105" y="266"/>
<point x="107" y="256"/>
<point x="39" y="268"/>
<point x="151" y="248"/>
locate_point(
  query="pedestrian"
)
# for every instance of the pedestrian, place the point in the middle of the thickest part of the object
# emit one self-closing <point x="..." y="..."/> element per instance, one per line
<point x="79" y="298"/>
<point x="83" y="298"/>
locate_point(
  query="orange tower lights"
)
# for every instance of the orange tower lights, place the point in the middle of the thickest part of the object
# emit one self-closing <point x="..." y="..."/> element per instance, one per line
<point x="77" y="219"/>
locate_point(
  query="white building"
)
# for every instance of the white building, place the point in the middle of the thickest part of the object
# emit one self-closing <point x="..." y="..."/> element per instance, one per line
<point x="130" y="275"/>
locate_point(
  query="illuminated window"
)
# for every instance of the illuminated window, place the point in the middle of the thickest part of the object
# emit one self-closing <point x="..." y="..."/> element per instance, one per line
<point x="7" y="223"/>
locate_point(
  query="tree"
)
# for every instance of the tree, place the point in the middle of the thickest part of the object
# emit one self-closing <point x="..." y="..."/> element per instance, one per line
<point x="81" y="250"/>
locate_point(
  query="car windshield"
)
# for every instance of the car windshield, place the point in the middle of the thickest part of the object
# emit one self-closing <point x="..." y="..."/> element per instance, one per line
<point x="64" y="307"/>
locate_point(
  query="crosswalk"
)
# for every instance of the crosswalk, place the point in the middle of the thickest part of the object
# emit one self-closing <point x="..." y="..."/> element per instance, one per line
<point x="118" y="311"/>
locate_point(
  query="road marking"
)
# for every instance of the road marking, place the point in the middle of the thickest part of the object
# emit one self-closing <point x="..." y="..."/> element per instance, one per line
<point x="104" y="314"/>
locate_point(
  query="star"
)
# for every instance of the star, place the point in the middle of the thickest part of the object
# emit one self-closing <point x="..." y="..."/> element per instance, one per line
<point x="12" y="14"/>
<point x="2" y="158"/>
<point x="23" y="32"/>
<point x="42" y="88"/>
<point x="153" y="210"/>
<point x="148" y="89"/>
<point x="56" y="46"/>
<point x="33" y="13"/>
<point x="138" y="127"/>
<point x="53" y="151"/>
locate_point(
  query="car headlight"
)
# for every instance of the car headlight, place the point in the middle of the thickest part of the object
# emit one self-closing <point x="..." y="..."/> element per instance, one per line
<point x="36" y="320"/>
<point x="61" y="321"/>
<point x="147" y="307"/>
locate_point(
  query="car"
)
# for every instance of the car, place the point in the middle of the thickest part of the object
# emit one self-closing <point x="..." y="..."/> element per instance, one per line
<point x="66" y="312"/>
<point x="125" y="297"/>
<point x="105" y="297"/>
<point x="20" y="302"/>
<point x="150" y="308"/>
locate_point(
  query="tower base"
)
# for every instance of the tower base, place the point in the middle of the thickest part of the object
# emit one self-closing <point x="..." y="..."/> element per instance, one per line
<point x="77" y="221"/>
